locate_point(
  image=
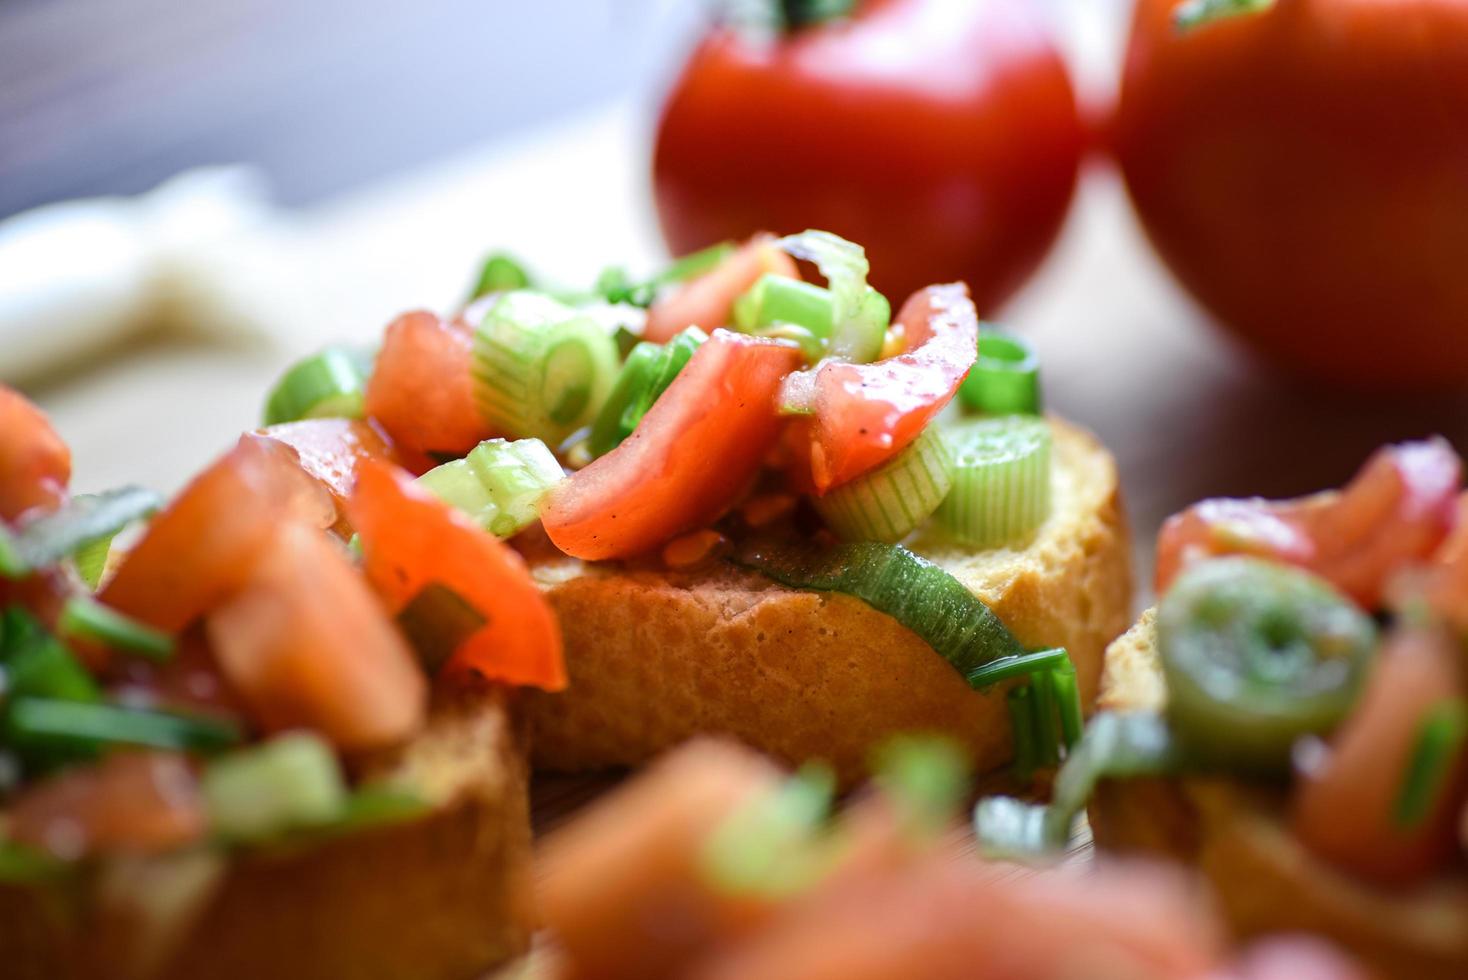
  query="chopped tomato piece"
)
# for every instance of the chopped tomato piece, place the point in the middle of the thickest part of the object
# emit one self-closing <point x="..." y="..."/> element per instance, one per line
<point x="306" y="644"/>
<point x="331" y="450"/>
<point x="422" y="386"/>
<point x="202" y="548"/>
<point x="411" y="539"/>
<point x="864" y="414"/>
<point x="139" y="802"/>
<point x="690" y="458"/>
<point x="35" y="465"/>
<point x="1396" y="511"/>
<point x="1444" y="583"/>
<point x="1345" y="807"/>
<point x="706" y="301"/>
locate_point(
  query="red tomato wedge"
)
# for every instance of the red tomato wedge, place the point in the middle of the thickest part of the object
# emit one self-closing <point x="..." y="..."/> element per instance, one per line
<point x="137" y="802"/>
<point x="705" y="301"/>
<point x="35" y="465"/>
<point x="1395" y="512"/>
<point x="331" y="450"/>
<point x="411" y="539"/>
<point x="864" y="414"/>
<point x="422" y="386"/>
<point x="306" y="644"/>
<point x="1344" y="810"/>
<point x="202" y="548"/>
<point x="689" y="459"/>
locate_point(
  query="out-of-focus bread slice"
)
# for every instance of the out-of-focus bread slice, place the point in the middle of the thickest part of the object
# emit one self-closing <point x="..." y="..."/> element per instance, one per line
<point x="444" y="896"/>
<point x="1265" y="880"/>
<point x="656" y="657"/>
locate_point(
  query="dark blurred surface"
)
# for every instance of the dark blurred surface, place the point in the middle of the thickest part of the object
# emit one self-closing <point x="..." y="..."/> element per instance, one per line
<point x="112" y="96"/>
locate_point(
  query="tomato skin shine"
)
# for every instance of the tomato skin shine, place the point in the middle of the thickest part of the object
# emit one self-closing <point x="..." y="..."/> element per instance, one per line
<point x="942" y="135"/>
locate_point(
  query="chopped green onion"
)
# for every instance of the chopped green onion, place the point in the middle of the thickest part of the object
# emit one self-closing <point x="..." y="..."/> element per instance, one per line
<point x="436" y="622"/>
<point x="329" y="384"/>
<point x="377" y="805"/>
<point x="1196" y="13"/>
<point x="1437" y="747"/>
<point x="35" y="663"/>
<point x="917" y="593"/>
<point x="81" y="521"/>
<point x="83" y="616"/>
<point x="1022" y="726"/>
<point x="616" y="286"/>
<point x="1023" y="665"/>
<point x="12" y="564"/>
<point x="695" y="263"/>
<point x="20" y="864"/>
<point x="1001" y="480"/>
<point x="1047" y="720"/>
<point x="892" y="500"/>
<point x="1115" y="746"/>
<point x="1068" y="699"/>
<point x="499" y="274"/>
<point x="860" y="314"/>
<point x="71" y="729"/>
<point x="541" y="369"/>
<point x="288" y="782"/>
<point x="1005" y="380"/>
<point x="499" y="484"/>
<point x="775" y="304"/>
<point x="763" y="848"/>
<point x="91" y="560"/>
<point x="925" y="777"/>
<point x="649" y="370"/>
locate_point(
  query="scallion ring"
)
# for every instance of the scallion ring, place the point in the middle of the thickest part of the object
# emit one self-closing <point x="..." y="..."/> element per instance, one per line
<point x="1005" y="380"/>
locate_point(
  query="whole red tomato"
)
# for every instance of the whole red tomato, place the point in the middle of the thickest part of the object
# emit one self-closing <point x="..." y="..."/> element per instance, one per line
<point x="941" y="134"/>
<point x="1304" y="171"/>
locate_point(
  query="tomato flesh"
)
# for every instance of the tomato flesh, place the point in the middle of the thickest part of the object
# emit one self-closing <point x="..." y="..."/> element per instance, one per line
<point x="203" y="546"/>
<point x="422" y="386"/>
<point x="35" y="465"/>
<point x="1396" y="511"/>
<point x="331" y="450"/>
<point x="706" y="301"/>
<point x="411" y="540"/>
<point x="690" y="458"/>
<point x="306" y="644"/>
<point x="867" y="413"/>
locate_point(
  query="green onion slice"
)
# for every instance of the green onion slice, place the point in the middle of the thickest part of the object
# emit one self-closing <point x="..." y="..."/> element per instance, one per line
<point x="541" y="369"/>
<point x="925" y="777"/>
<point x="1114" y="746"/>
<point x="83" y="616"/>
<point x="649" y="370"/>
<point x="1437" y="747"/>
<point x="83" y="520"/>
<point x="889" y="502"/>
<point x="1024" y="665"/>
<point x="329" y="384"/>
<point x="861" y="314"/>
<point x="52" y="728"/>
<point x="12" y="563"/>
<point x="35" y="663"/>
<point x="499" y="484"/>
<point x="286" y="783"/>
<point x="1195" y="13"/>
<point x="778" y="306"/>
<point x="91" y="560"/>
<point x="765" y="848"/>
<point x="1001" y="480"/>
<point x="917" y="593"/>
<point x="500" y="273"/>
<point x="1005" y="380"/>
<point x="616" y="286"/>
<point x="20" y="864"/>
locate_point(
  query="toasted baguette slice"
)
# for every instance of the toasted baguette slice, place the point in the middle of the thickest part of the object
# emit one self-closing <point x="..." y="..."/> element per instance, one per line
<point x="656" y="657"/>
<point x="1266" y="880"/>
<point x="444" y="896"/>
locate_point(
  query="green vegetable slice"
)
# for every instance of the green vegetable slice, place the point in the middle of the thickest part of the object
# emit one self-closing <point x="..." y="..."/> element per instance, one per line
<point x="286" y="783"/>
<point x="329" y="384"/>
<point x="83" y="616"/>
<point x="1255" y="655"/>
<point x="649" y="370"/>
<point x="541" y="369"/>
<point x="1023" y="724"/>
<point x="83" y="520"/>
<point x="616" y="286"/>
<point x="499" y="484"/>
<point x="1115" y="746"/>
<point x="765" y="847"/>
<point x="91" y="560"/>
<point x="891" y="501"/>
<point x="917" y="593"/>
<point x="1439" y="742"/>
<point x="926" y="777"/>
<point x="35" y="663"/>
<point x="52" y="730"/>
<point x="1001" y="480"/>
<point x="20" y="864"/>
<point x="1005" y="380"/>
<point x="500" y="273"/>
<point x="778" y="306"/>
<point x="12" y="564"/>
<point x="861" y="314"/>
<point x="1195" y="13"/>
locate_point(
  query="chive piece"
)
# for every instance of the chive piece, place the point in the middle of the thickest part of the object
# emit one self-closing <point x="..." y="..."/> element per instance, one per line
<point x="1005" y="380"/>
<point x="329" y="384"/>
<point x="1022" y="726"/>
<point x="649" y="370"/>
<point x="500" y="273"/>
<point x="286" y="783"/>
<point x="35" y="663"/>
<point x="1068" y="699"/>
<point x="917" y="593"/>
<point x="925" y="777"/>
<point x="500" y="484"/>
<point x="889" y="502"/>
<point x="1022" y="665"/>
<point x="81" y="521"/>
<point x="1047" y="720"/>
<point x="70" y="729"/>
<point x="1196" y="13"/>
<point x="91" y="560"/>
<point x="83" y="616"/>
<point x="763" y="848"/>
<point x="1439" y="740"/>
<point x="12" y="564"/>
<point x="1001" y="480"/>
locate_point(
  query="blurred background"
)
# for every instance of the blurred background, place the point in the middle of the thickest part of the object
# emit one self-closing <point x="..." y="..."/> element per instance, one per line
<point x="388" y="144"/>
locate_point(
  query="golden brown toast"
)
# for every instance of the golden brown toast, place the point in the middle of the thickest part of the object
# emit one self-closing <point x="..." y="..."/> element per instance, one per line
<point x="1265" y="880"/>
<point x="656" y="657"/>
<point x="443" y="896"/>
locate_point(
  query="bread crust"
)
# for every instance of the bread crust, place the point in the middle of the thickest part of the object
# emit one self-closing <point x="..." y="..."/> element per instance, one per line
<point x="1265" y="880"/>
<point x="657" y="657"/>
<point x="443" y="896"/>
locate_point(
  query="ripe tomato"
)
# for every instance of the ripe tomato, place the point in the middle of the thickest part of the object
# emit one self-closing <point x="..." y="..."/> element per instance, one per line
<point x="706" y="300"/>
<point x="940" y="134"/>
<point x="35" y="465"/>
<point x="1304" y="171"/>
<point x="331" y="450"/>
<point x="689" y="459"/>
<point x="422" y="386"/>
